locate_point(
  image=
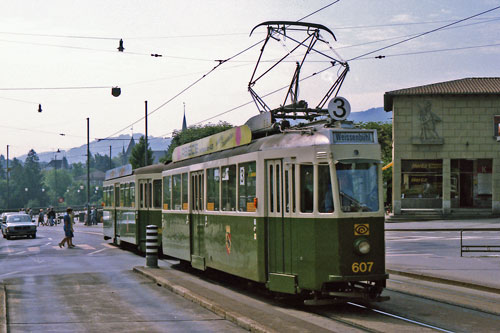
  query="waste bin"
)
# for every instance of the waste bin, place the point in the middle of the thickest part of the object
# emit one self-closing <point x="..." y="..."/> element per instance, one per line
<point x="81" y="217"/>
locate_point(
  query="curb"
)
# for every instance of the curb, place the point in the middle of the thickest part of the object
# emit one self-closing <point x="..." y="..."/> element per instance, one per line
<point x="434" y="278"/>
<point x="234" y="317"/>
<point x="3" y="310"/>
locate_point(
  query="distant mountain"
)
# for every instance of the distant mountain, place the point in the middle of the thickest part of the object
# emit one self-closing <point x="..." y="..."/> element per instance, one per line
<point x="118" y="145"/>
<point x="373" y="114"/>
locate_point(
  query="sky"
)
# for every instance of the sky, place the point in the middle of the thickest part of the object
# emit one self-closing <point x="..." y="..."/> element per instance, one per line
<point x="62" y="54"/>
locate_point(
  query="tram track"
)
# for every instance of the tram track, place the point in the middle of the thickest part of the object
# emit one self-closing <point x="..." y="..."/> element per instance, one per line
<point x="370" y="319"/>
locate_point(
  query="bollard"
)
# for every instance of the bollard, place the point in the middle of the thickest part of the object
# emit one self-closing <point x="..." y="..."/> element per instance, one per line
<point x="152" y="246"/>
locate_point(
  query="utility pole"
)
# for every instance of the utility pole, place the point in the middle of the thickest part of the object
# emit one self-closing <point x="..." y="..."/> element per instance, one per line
<point x="109" y="157"/>
<point x="88" y="171"/>
<point x="146" y="137"/>
<point x="8" y="190"/>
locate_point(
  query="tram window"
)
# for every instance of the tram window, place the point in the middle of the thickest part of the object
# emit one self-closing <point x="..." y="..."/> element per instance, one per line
<point x="213" y="189"/>
<point x="325" y="194"/>
<point x="185" y="191"/>
<point x="126" y="195"/>
<point x="293" y="188"/>
<point x="157" y="193"/>
<point x="229" y="188"/>
<point x="247" y="187"/>
<point x="287" y="192"/>
<point x="278" y="189"/>
<point x="307" y="188"/>
<point x="132" y="194"/>
<point x="149" y="197"/>
<point x="271" y="188"/>
<point x="122" y="195"/>
<point x="116" y="195"/>
<point x="141" y="195"/>
<point x="167" y="188"/>
<point x="176" y="192"/>
<point x="358" y="186"/>
<point x="105" y="195"/>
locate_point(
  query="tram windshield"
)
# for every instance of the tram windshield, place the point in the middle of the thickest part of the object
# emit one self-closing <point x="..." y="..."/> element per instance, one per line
<point x="358" y="186"/>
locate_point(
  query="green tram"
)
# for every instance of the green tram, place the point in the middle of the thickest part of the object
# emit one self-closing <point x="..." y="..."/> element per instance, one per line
<point x="132" y="200"/>
<point x="299" y="210"/>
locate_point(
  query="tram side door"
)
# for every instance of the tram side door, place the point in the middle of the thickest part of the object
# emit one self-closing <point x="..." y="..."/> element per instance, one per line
<point x="279" y="225"/>
<point x="143" y="214"/>
<point x="197" y="220"/>
<point x="116" y="226"/>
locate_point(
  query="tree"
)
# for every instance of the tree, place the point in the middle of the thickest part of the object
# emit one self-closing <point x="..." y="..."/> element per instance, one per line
<point x="77" y="169"/>
<point x="32" y="180"/>
<point x="384" y="134"/>
<point x="191" y="134"/>
<point x="56" y="183"/>
<point x="102" y="162"/>
<point x="137" y="155"/>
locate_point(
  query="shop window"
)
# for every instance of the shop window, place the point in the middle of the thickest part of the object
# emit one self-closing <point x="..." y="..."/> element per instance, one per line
<point x="247" y="187"/>
<point x="421" y="179"/>
<point x="229" y="188"/>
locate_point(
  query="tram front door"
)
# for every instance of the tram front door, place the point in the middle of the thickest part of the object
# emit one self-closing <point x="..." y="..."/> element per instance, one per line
<point x="279" y="191"/>
<point x="197" y="221"/>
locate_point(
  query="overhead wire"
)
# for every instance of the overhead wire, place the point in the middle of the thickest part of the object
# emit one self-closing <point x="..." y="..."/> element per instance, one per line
<point x="424" y="33"/>
<point x="208" y="73"/>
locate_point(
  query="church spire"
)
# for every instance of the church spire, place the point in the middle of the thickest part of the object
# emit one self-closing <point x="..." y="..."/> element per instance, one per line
<point x="184" y="124"/>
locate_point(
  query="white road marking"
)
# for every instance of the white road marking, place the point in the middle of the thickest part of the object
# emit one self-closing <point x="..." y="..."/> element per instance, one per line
<point x="34" y="249"/>
<point x="407" y="254"/>
<point x="97" y="251"/>
<point x="15" y="272"/>
<point x="85" y="246"/>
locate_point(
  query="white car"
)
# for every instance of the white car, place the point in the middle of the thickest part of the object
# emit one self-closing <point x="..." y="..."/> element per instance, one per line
<point x="18" y="224"/>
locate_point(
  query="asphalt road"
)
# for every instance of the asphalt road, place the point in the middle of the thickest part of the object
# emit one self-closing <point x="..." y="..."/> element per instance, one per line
<point x="90" y="288"/>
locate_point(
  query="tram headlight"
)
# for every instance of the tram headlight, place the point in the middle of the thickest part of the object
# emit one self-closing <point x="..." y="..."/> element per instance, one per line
<point x="362" y="246"/>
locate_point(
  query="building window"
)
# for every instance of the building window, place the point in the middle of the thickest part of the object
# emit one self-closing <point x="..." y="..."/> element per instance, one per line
<point x="497" y="126"/>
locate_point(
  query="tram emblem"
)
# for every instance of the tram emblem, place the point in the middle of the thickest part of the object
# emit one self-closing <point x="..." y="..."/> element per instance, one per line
<point x="361" y="229"/>
<point x="228" y="239"/>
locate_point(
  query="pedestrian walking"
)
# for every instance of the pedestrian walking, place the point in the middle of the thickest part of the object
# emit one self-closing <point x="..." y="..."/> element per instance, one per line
<point x="51" y="215"/>
<point x="93" y="216"/>
<point x="68" y="229"/>
<point x="41" y="216"/>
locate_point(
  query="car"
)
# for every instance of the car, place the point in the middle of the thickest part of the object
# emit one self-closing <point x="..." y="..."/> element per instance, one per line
<point x="18" y="224"/>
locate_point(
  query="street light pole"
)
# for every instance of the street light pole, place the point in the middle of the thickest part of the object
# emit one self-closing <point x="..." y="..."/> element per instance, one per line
<point x="146" y="137"/>
<point x="8" y="190"/>
<point x="88" y="171"/>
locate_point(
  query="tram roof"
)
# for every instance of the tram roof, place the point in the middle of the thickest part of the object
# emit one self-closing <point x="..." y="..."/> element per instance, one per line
<point x="155" y="168"/>
<point x="310" y="136"/>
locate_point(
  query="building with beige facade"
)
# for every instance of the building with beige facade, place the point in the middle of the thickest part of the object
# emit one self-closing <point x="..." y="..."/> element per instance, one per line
<point x="446" y="146"/>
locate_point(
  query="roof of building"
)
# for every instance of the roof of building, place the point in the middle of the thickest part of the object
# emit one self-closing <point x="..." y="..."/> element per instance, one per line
<point x="467" y="86"/>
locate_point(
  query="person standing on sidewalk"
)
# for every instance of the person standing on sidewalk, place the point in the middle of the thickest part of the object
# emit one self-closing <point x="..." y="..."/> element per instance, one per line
<point x="68" y="229"/>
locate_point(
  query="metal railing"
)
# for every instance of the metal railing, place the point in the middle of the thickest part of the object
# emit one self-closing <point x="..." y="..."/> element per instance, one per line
<point x="464" y="248"/>
<point x="483" y="248"/>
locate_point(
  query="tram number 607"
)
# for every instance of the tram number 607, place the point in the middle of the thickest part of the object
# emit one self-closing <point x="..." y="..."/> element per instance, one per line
<point x="362" y="267"/>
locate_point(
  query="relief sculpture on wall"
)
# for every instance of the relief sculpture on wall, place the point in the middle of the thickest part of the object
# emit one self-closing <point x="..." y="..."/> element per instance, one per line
<point x="428" y="125"/>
